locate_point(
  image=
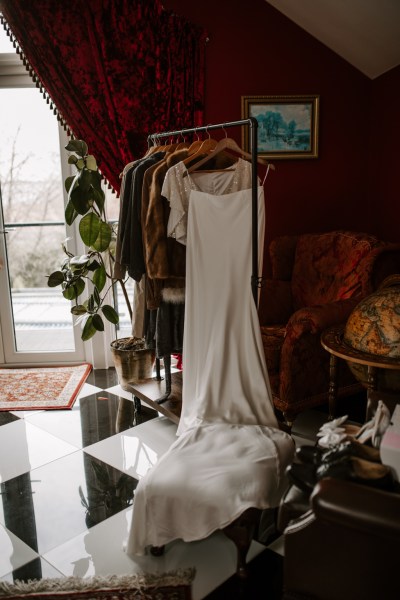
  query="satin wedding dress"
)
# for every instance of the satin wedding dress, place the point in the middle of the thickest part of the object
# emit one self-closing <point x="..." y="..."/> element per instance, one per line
<point x="230" y="454"/>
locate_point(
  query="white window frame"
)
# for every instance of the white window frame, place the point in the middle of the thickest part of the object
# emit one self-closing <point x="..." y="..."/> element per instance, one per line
<point x="97" y="350"/>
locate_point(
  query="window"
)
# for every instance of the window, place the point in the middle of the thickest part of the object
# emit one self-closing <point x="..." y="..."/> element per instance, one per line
<point x="32" y="161"/>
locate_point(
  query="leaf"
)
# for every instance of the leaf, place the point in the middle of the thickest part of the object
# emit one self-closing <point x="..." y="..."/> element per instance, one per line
<point x="87" y="178"/>
<point x="110" y="314"/>
<point x="104" y="238"/>
<point x="69" y="181"/>
<point x="72" y="160"/>
<point x="55" y="279"/>
<point x="78" y="310"/>
<point x="94" y="264"/>
<point x="78" y="146"/>
<point x="96" y="296"/>
<point x="79" y="261"/>
<point x="79" y="200"/>
<point x="70" y="213"/>
<point x="80" y="164"/>
<point x="74" y="289"/>
<point x="99" y="278"/>
<point x="89" y="228"/>
<point x="97" y="322"/>
<point x="98" y="196"/>
<point x="88" y="330"/>
<point x="91" y="163"/>
<point x="91" y="303"/>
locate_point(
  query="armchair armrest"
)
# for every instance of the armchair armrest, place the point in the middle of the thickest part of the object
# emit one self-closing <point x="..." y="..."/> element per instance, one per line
<point x="345" y="546"/>
<point x="368" y="510"/>
<point x="302" y="354"/>
<point x="314" y="319"/>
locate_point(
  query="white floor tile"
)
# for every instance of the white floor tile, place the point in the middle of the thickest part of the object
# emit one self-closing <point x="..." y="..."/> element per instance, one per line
<point x="22" y="414"/>
<point x="65" y="424"/>
<point x="135" y="450"/>
<point x="24" y="447"/>
<point x="100" y="551"/>
<point x="87" y="390"/>
<point x="14" y="553"/>
<point x="118" y="391"/>
<point x="46" y="571"/>
<point x="278" y="545"/>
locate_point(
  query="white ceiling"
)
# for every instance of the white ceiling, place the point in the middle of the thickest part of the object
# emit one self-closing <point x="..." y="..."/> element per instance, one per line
<point x="366" y="33"/>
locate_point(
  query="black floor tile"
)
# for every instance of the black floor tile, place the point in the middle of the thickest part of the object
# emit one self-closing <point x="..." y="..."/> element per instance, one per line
<point x="354" y="406"/>
<point x="7" y="417"/>
<point x="55" y="502"/>
<point x="264" y="580"/>
<point x="92" y="419"/>
<point x="35" y="569"/>
<point x="103" y="378"/>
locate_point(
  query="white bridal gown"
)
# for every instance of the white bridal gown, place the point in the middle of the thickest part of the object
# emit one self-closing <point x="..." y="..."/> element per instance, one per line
<point x="229" y="454"/>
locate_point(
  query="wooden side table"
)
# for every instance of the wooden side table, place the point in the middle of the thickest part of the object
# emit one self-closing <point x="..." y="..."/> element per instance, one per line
<point x="150" y="390"/>
<point x="332" y="341"/>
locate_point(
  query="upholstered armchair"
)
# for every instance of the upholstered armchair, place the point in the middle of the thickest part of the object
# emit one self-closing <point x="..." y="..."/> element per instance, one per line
<point x="317" y="280"/>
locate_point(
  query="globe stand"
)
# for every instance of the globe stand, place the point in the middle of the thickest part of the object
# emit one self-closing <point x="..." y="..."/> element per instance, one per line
<point x="332" y="341"/>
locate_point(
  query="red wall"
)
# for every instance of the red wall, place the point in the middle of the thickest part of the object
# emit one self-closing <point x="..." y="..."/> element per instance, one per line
<point x="255" y="50"/>
<point x="384" y="166"/>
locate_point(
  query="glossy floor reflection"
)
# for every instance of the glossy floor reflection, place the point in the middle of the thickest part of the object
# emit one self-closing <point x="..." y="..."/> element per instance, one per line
<point x="67" y="480"/>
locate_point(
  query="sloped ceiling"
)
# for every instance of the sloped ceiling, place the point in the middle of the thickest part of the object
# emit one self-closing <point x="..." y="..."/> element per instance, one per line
<point x="366" y="33"/>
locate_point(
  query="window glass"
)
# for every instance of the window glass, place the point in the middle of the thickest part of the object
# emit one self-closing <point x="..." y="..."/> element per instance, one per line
<point x="5" y="42"/>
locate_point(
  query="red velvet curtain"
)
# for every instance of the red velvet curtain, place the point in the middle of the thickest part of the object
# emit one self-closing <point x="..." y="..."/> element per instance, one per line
<point x="116" y="70"/>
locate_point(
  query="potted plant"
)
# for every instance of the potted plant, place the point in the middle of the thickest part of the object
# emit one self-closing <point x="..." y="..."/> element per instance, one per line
<point x="91" y="273"/>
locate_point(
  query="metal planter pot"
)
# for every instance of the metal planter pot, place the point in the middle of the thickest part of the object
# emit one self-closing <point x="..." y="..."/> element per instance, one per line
<point x="133" y="364"/>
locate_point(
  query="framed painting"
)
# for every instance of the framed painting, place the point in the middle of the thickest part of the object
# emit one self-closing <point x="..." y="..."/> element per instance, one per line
<point x="287" y="125"/>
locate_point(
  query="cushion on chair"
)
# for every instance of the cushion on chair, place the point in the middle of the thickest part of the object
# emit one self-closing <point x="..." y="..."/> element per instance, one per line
<point x="328" y="267"/>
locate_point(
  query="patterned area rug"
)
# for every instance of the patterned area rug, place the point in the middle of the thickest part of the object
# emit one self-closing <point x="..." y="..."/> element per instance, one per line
<point x="46" y="388"/>
<point x="174" y="585"/>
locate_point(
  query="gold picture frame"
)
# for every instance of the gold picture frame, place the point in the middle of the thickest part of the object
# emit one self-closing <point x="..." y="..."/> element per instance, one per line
<point x="287" y="125"/>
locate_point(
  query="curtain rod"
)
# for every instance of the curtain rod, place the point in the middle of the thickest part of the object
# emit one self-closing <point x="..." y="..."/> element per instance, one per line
<point x="251" y="121"/>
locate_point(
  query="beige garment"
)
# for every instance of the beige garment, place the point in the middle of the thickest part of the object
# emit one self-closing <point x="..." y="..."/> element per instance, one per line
<point x="138" y="308"/>
<point x="165" y="269"/>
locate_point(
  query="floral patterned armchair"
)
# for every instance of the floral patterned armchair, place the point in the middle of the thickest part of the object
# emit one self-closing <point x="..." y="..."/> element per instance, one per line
<point x="317" y="280"/>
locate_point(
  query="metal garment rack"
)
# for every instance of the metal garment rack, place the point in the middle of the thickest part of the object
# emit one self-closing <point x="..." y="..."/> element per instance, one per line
<point x="252" y="124"/>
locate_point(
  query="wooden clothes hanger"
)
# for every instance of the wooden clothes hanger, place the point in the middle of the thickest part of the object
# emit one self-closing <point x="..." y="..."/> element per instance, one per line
<point x="229" y="145"/>
<point x="199" y="148"/>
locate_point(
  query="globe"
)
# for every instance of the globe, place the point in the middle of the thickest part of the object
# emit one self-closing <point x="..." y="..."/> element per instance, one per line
<point x="373" y="328"/>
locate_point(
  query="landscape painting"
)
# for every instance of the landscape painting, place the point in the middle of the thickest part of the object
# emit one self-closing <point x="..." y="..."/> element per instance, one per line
<point x="287" y="125"/>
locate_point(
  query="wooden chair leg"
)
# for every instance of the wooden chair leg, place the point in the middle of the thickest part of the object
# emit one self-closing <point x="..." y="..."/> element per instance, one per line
<point x="157" y="550"/>
<point x="241" y="533"/>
